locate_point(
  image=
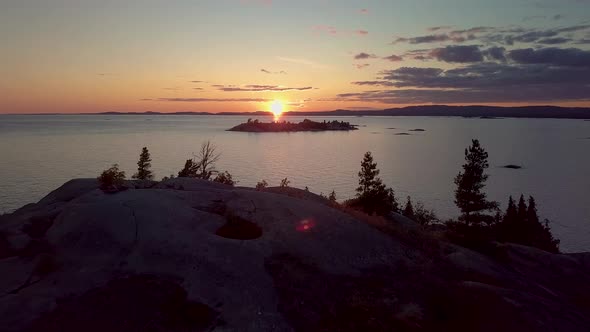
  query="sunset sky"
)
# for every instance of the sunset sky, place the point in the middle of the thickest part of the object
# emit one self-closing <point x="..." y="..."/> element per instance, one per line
<point x="239" y="55"/>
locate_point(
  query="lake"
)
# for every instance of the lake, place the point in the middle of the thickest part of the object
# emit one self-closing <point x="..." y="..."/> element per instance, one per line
<point x="38" y="153"/>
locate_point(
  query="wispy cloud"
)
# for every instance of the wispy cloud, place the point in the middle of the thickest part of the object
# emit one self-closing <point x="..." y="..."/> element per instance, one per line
<point x="215" y="100"/>
<point x="282" y="72"/>
<point x="361" y="66"/>
<point x="363" y="56"/>
<point x="363" y="11"/>
<point x="259" y="88"/>
<point x="325" y="29"/>
<point x="302" y="61"/>
<point x="361" y="32"/>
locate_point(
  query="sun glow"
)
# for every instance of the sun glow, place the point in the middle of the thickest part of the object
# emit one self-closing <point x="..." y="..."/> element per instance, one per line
<point x="277" y="108"/>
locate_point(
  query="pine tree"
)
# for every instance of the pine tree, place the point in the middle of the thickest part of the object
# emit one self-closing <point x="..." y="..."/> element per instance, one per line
<point x="372" y="195"/>
<point x="522" y="210"/>
<point x="532" y="215"/>
<point x="143" y="166"/>
<point x="409" y="209"/>
<point x="332" y="196"/>
<point x="469" y="196"/>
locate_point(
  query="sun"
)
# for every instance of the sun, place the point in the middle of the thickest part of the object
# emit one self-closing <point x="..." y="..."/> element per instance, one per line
<point x="277" y="108"/>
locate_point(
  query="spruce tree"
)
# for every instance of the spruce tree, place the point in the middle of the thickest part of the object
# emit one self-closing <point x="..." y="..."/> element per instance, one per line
<point x="532" y="215"/>
<point x="143" y="166"/>
<point x="522" y="210"/>
<point x="409" y="209"/>
<point x="469" y="195"/>
<point x="372" y="195"/>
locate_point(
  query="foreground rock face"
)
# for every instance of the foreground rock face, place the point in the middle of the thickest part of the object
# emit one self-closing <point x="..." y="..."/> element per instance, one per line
<point x="153" y="258"/>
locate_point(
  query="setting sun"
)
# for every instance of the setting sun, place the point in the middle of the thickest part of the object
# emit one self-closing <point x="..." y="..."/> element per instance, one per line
<point x="277" y="108"/>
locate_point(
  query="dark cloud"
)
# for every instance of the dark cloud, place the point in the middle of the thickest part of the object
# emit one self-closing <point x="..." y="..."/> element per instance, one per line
<point x="393" y="58"/>
<point x="216" y="100"/>
<point x="374" y="83"/>
<point x="505" y="36"/>
<point x="495" y="53"/>
<point x="540" y="79"/>
<point x="258" y="88"/>
<point x="458" y="54"/>
<point x="363" y="55"/>
<point x="554" y="41"/>
<point x="572" y="57"/>
<point x="442" y="27"/>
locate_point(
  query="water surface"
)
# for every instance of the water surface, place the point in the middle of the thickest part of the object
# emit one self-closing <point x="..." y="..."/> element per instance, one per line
<point x="40" y="152"/>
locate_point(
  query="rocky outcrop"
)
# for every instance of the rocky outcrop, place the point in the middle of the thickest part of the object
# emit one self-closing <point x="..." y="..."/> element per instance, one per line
<point x="170" y="256"/>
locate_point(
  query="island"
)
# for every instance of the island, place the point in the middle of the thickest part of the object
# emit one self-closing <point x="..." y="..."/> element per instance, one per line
<point x="512" y="166"/>
<point x="255" y="126"/>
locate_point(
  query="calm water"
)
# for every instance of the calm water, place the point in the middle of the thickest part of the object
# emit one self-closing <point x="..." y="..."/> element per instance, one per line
<point x="39" y="153"/>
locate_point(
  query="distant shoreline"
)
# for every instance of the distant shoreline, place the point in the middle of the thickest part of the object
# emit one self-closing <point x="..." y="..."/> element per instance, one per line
<point x="486" y="112"/>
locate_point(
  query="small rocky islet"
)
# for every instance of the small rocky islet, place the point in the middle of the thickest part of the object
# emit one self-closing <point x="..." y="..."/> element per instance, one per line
<point x="256" y="126"/>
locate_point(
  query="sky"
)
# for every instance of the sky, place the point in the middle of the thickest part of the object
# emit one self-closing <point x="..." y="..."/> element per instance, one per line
<point x="78" y="56"/>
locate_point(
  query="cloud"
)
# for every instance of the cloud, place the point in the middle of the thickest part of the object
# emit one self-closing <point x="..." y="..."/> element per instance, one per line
<point x="442" y="27"/>
<point x="458" y="54"/>
<point x="495" y="53"/>
<point x="393" y="58"/>
<point x="215" y="100"/>
<point x="361" y="66"/>
<point x="363" y="55"/>
<point x="361" y="32"/>
<point x="302" y="61"/>
<point x="489" y="82"/>
<point x="570" y="57"/>
<point x="258" y="88"/>
<point x="197" y="81"/>
<point x="364" y="11"/>
<point x="273" y="72"/>
<point x="501" y="35"/>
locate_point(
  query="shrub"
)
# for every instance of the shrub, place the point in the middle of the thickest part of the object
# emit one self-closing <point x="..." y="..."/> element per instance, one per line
<point x="225" y="178"/>
<point x="202" y="166"/>
<point x="111" y="179"/>
<point x="261" y="185"/>
<point x="143" y="166"/>
<point x="190" y="170"/>
<point x="372" y="195"/>
<point x="285" y="183"/>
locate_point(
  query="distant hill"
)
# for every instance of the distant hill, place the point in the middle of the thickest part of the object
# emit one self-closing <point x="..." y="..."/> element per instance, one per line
<point x="554" y="112"/>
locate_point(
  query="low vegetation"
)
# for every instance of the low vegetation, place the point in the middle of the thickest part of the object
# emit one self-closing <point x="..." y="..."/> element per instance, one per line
<point x="480" y="223"/>
<point x="225" y="178"/>
<point x="112" y="179"/>
<point x="261" y="185"/>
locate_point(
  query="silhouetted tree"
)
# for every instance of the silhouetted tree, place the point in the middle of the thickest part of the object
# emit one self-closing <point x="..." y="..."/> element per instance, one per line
<point x="521" y="225"/>
<point x="409" y="209"/>
<point x="111" y="179"/>
<point x="372" y="195"/>
<point x="285" y="183"/>
<point x="332" y="196"/>
<point x="190" y="170"/>
<point x="143" y="166"/>
<point x="225" y="178"/>
<point x="206" y="160"/>
<point x="424" y="216"/>
<point x="522" y="209"/>
<point x="469" y="196"/>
